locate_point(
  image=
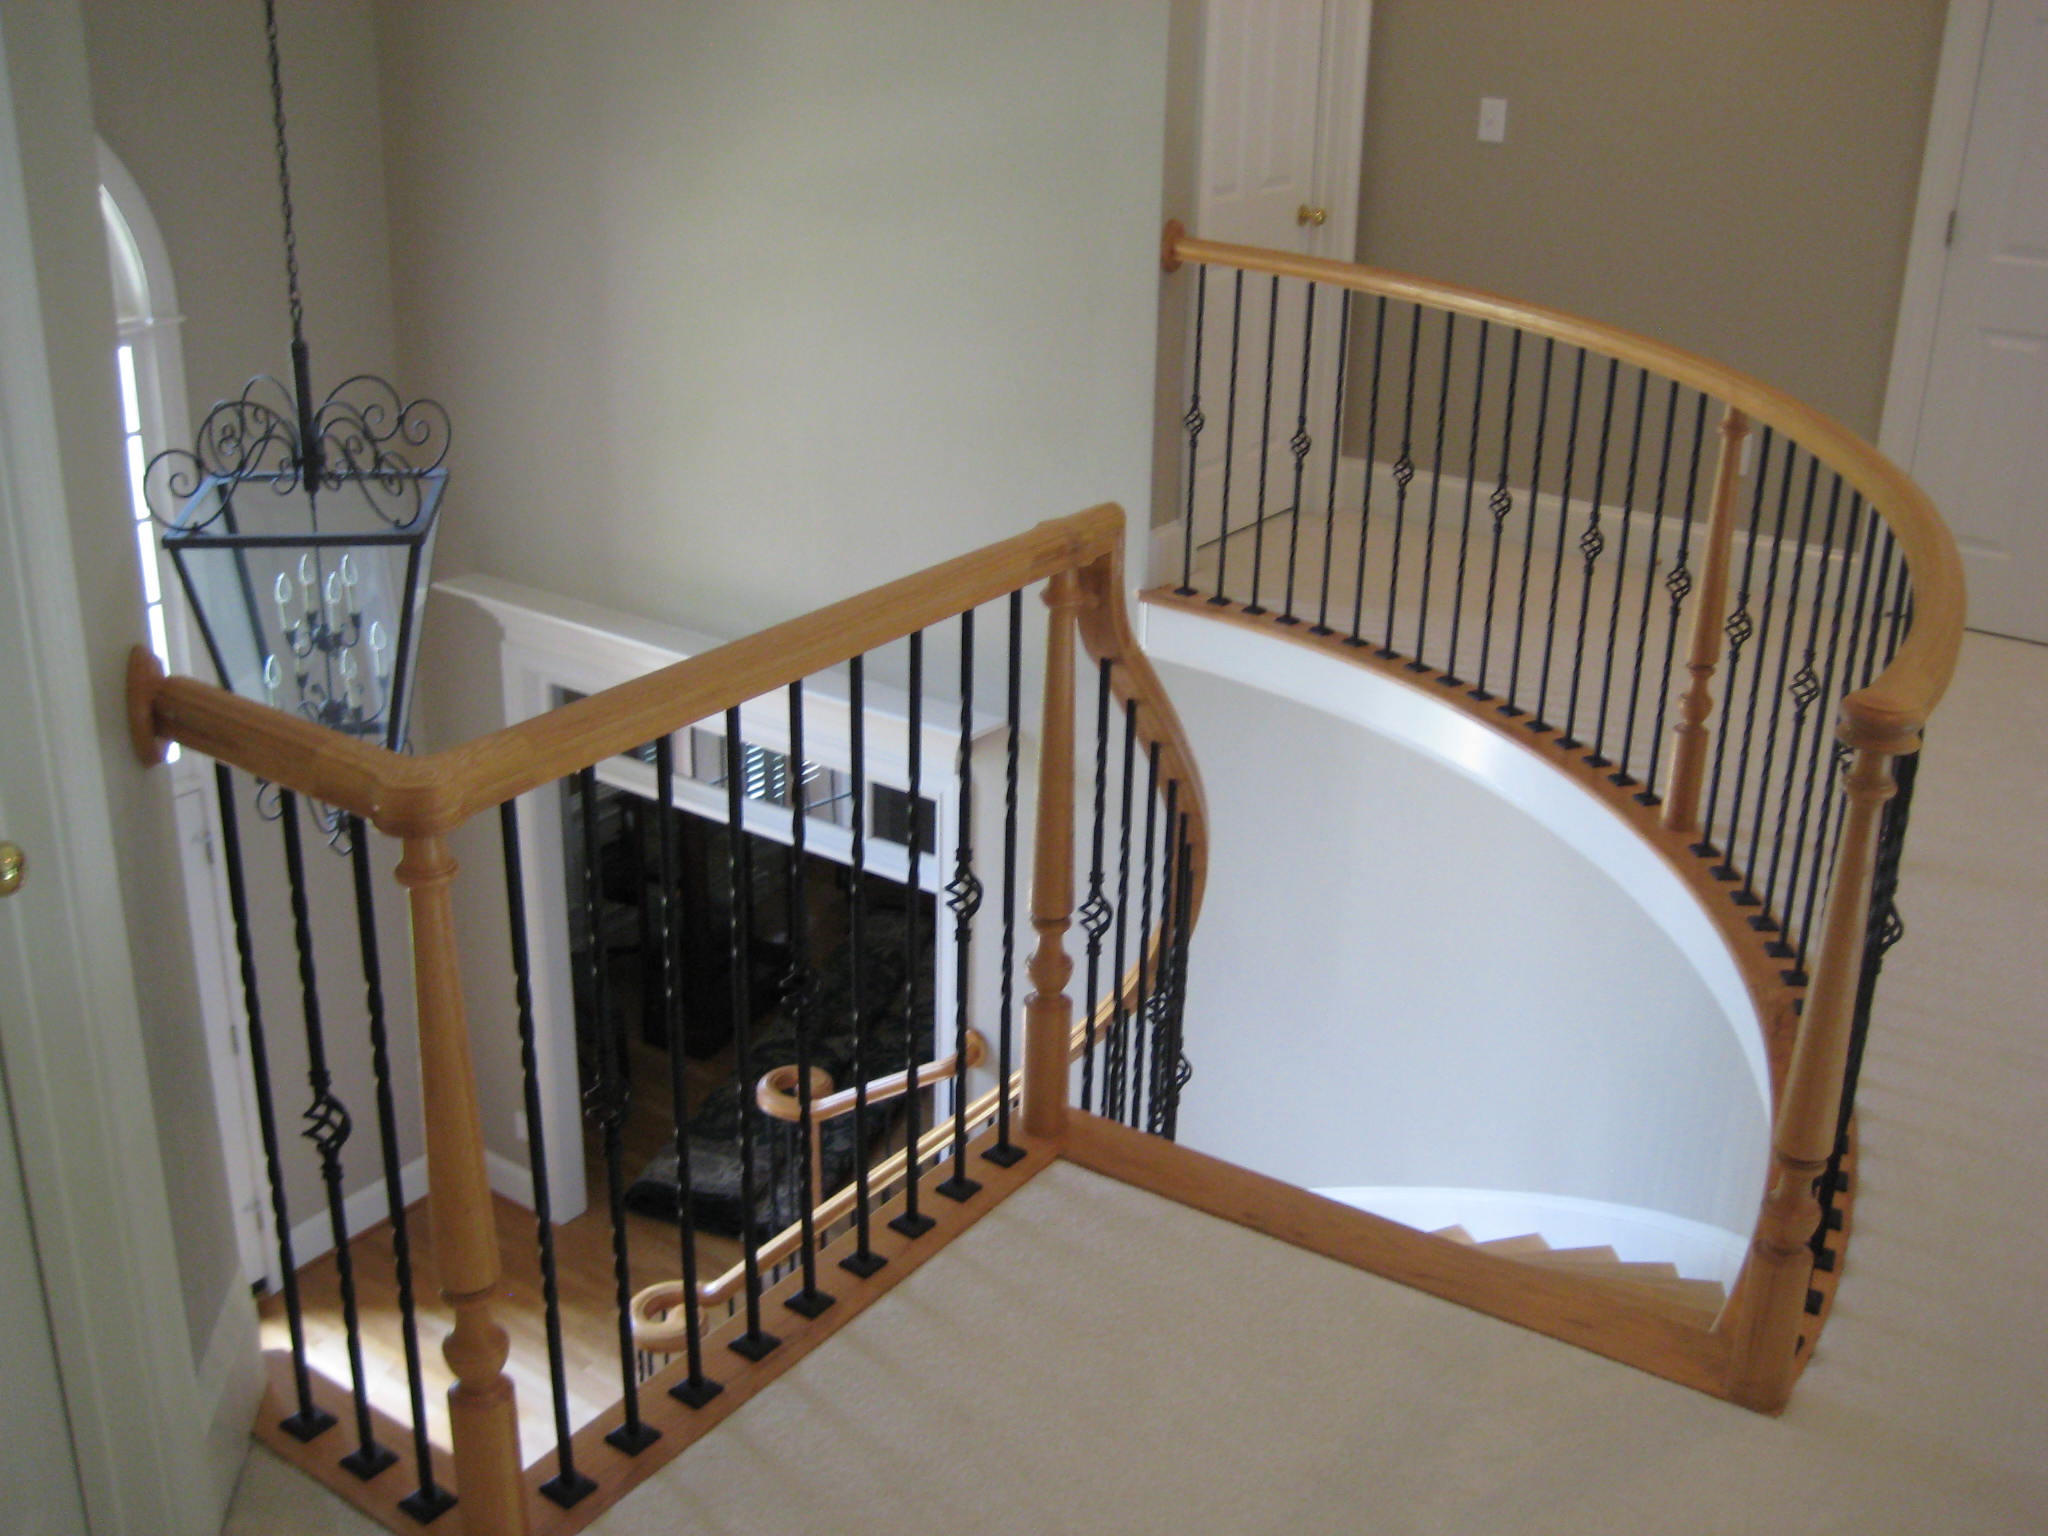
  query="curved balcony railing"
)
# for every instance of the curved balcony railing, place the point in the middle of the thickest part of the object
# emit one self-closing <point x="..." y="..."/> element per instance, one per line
<point x="1663" y="576"/>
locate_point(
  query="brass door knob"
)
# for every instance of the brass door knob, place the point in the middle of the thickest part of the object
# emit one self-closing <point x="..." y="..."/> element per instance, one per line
<point x="13" y="865"/>
<point x="1311" y="216"/>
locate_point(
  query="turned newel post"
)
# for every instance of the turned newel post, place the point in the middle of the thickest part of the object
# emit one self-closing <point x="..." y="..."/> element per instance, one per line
<point x="1690" y="735"/>
<point x="480" y="1407"/>
<point x="1049" y="1011"/>
<point x="1770" y="1307"/>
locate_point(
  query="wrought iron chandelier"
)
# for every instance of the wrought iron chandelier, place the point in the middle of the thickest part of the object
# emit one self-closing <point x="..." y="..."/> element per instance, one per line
<point x="302" y="528"/>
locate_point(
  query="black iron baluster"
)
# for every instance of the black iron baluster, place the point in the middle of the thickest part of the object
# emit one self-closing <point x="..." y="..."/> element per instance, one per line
<point x="1182" y="1073"/>
<point x="327" y="1127"/>
<point x="1265" y="444"/>
<point x="1509" y="707"/>
<point x="1114" y="1078"/>
<point x="1498" y="506"/>
<point x="1599" y="758"/>
<point x="1322" y="624"/>
<point x="309" y="1419"/>
<point x="1764" y="921"/>
<point x="429" y="1499"/>
<point x="1162" y="989"/>
<point x="696" y="1389"/>
<point x="1739" y="627"/>
<point x="1372" y="440"/>
<point x="1450" y="678"/>
<point x="1005" y="1153"/>
<point x="798" y="991"/>
<point x="1727" y="869"/>
<point x="1221" y="594"/>
<point x="1148" y="963"/>
<point x="963" y="900"/>
<point x="1592" y="544"/>
<point x="863" y="1261"/>
<point x="568" y="1485"/>
<point x="1621" y="776"/>
<point x="1299" y="445"/>
<point x="911" y="1222"/>
<point x="1805" y="689"/>
<point x="1436" y="482"/>
<point x="1678" y="584"/>
<point x="606" y="1103"/>
<point x="1193" y="422"/>
<point x="1094" y="913"/>
<point x="1537" y="722"/>
<point x="1404" y="474"/>
<point x="755" y="1343"/>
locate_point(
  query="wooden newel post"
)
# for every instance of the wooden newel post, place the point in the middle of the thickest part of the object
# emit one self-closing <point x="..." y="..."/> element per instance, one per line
<point x="1771" y="1299"/>
<point x="1049" y="1011"/>
<point x="1690" y="735"/>
<point x="481" y="1412"/>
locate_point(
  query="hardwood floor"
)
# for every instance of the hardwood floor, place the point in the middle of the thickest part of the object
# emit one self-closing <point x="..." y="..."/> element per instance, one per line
<point x="584" y="1266"/>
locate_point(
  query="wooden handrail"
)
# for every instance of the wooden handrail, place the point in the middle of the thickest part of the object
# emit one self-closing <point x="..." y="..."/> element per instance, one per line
<point x="777" y="1096"/>
<point x="1890" y="712"/>
<point x="432" y="794"/>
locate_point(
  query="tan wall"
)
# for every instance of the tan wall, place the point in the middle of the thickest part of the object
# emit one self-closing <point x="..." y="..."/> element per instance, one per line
<point x="1733" y="176"/>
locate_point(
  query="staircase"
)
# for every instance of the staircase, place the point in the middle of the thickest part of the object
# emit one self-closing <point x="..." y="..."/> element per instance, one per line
<point x="1657" y="1286"/>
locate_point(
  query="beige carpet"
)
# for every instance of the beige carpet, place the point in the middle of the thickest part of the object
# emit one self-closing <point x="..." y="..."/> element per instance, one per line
<point x="1090" y="1359"/>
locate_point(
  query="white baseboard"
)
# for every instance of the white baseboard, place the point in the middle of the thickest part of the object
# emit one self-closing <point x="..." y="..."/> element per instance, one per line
<point x="229" y="1389"/>
<point x="1701" y="1251"/>
<point x="314" y="1235"/>
<point x="512" y="1180"/>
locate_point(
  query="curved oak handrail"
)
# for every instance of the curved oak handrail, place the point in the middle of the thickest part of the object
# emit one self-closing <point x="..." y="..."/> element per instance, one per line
<point x="1887" y="715"/>
<point x="776" y="1092"/>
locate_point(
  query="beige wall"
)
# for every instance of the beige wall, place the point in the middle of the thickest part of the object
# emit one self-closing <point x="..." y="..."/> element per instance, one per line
<point x="1733" y="176"/>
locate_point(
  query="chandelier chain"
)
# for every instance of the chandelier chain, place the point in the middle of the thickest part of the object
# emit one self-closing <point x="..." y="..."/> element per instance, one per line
<point x="284" y="174"/>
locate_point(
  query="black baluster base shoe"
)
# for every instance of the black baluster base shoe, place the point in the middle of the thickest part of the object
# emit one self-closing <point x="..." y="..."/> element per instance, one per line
<point x="912" y="1226"/>
<point x="695" y="1394"/>
<point x="426" y="1505"/>
<point x="366" y="1461"/>
<point x="568" y="1489"/>
<point x="756" y="1346"/>
<point x="306" y="1424"/>
<point x="1004" y="1155"/>
<point x="865" y="1265"/>
<point x="959" y="1188"/>
<point x="632" y="1438"/>
<point x="812" y="1303"/>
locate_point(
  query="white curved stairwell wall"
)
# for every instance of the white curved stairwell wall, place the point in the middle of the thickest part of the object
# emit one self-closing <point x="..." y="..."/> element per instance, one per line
<point x="1406" y="977"/>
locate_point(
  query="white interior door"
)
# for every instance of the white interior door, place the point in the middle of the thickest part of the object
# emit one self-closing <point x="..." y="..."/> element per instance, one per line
<point x="1982" y="447"/>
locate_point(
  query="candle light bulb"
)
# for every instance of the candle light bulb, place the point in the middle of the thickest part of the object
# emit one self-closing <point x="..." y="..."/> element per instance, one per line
<point x="283" y="592"/>
<point x="306" y="585"/>
<point x="348" y="581"/>
<point x="380" y="650"/>
<point x="273" y="674"/>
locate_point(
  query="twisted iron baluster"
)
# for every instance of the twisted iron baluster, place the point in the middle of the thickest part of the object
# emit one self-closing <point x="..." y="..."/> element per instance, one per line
<point x="1115" y="1079"/>
<point x="1372" y="438"/>
<point x="1599" y="758"/>
<point x="1739" y="628"/>
<point x="1498" y="505"/>
<point x="429" y="1499"/>
<point x="799" y="994"/>
<point x="863" y="1261"/>
<point x="1322" y="624"/>
<point x="1592" y="544"/>
<point x="1265" y="445"/>
<point x="1450" y="678"/>
<point x="1802" y="688"/>
<point x="1299" y="445"/>
<point x="1094" y="914"/>
<point x="1678" y="584"/>
<point x="568" y="1485"/>
<point x="911" y="1222"/>
<point x="755" y="1343"/>
<point x="1148" y="966"/>
<point x="1509" y="707"/>
<point x="1194" y="421"/>
<point x="1436" y="481"/>
<point x="1564" y="512"/>
<point x="327" y="1127"/>
<point x="1161" y="1018"/>
<point x="1004" y="1153"/>
<point x="310" y="1419"/>
<point x="1621" y="776"/>
<point x="963" y="899"/>
<point x="1229" y="442"/>
<point x="1404" y="474"/>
